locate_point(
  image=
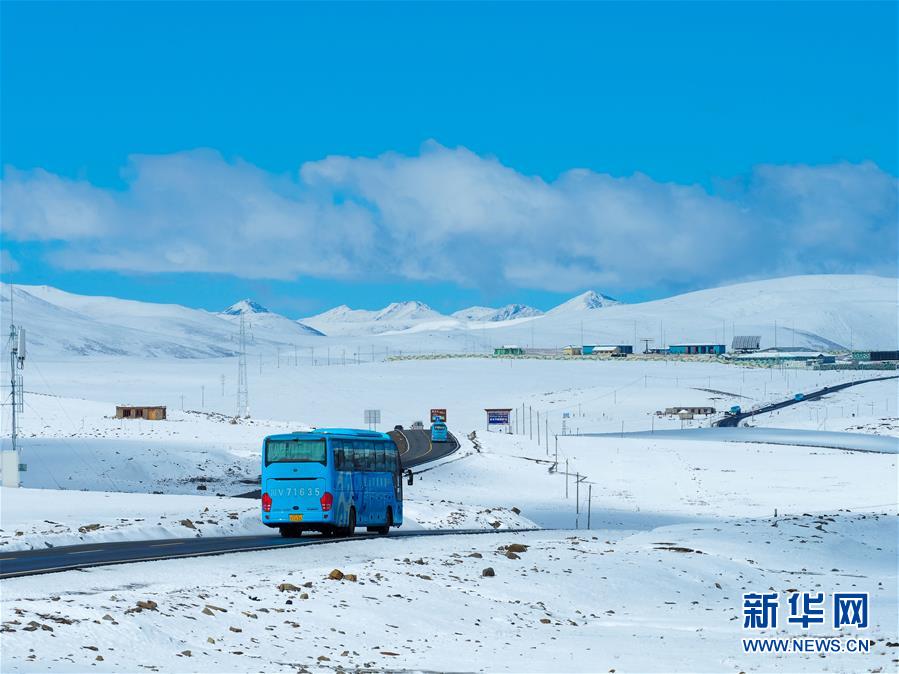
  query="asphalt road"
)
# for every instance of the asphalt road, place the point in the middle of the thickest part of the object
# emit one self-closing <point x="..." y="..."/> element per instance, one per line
<point x="415" y="447"/>
<point x="71" y="557"/>
<point x="735" y="419"/>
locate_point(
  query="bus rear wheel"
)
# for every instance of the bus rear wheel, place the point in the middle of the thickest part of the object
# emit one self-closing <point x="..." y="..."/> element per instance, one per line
<point x="350" y="528"/>
<point x="388" y="522"/>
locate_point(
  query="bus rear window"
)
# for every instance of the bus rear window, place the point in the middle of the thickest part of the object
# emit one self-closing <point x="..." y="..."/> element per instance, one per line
<point x="295" y="451"/>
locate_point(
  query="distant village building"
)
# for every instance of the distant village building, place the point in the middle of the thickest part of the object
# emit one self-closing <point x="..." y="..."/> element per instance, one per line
<point x="782" y="354"/>
<point x="508" y="350"/>
<point x="703" y="410"/>
<point x="572" y="350"/>
<point x="697" y="348"/>
<point x="867" y="356"/>
<point x="148" y="412"/>
<point x="745" y="343"/>
<point x="606" y="349"/>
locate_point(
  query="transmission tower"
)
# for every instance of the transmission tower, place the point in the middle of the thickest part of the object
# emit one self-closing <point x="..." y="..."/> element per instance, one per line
<point x="243" y="396"/>
<point x="10" y="463"/>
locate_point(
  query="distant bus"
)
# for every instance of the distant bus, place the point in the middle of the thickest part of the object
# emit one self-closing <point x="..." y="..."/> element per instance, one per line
<point x="438" y="432"/>
<point x="331" y="480"/>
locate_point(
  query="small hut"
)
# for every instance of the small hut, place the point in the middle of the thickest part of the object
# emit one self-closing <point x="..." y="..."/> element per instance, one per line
<point x="148" y="412"/>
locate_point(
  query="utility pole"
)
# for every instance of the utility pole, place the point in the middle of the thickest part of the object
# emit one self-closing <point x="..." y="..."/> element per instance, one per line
<point x="538" y="428"/>
<point x="546" y="434"/>
<point x="566" y="479"/>
<point x="531" y="422"/>
<point x="577" y="500"/>
<point x="557" y="452"/>
<point x="522" y="418"/>
<point x="243" y="395"/>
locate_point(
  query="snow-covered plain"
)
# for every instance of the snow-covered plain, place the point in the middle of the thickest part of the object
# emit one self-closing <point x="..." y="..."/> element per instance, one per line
<point x="624" y="595"/>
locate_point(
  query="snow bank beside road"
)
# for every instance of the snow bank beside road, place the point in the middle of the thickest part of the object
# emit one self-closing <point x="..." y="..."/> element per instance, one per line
<point x="36" y="518"/>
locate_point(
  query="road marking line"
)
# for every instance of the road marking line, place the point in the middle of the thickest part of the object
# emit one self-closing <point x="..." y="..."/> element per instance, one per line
<point x="162" y="545"/>
<point x="84" y="552"/>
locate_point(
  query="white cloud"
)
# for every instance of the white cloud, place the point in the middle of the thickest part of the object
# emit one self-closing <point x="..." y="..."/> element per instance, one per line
<point x="449" y="214"/>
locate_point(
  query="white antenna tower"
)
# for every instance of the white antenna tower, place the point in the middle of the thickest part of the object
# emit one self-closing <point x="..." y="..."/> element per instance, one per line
<point x="10" y="462"/>
<point x="243" y="396"/>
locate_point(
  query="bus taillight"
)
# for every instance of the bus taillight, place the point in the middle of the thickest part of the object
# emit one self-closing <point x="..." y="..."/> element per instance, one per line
<point x="266" y="503"/>
<point x="327" y="500"/>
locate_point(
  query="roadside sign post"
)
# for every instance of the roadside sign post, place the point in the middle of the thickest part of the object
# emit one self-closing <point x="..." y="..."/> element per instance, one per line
<point x="499" y="417"/>
<point x="372" y="419"/>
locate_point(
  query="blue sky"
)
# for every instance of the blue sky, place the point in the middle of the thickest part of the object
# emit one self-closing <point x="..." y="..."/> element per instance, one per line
<point x="377" y="152"/>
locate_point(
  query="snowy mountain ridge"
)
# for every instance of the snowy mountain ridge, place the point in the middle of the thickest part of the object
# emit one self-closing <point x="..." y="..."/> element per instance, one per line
<point x="819" y="312"/>
<point x="587" y="301"/>
<point x="508" y="312"/>
<point x="246" y="306"/>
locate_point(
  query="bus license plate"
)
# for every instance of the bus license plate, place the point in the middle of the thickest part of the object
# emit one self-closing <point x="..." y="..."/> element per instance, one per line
<point x="296" y="518"/>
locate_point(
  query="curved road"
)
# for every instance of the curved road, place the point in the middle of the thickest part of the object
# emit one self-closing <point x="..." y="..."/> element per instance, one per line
<point x="735" y="419"/>
<point x="415" y="447"/>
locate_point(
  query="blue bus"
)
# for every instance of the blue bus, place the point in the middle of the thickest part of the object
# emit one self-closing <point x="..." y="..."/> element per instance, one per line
<point x="331" y="480"/>
<point x="438" y="432"/>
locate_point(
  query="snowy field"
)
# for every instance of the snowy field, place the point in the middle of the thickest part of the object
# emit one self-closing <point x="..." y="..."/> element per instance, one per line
<point x="663" y="599"/>
<point x="624" y="595"/>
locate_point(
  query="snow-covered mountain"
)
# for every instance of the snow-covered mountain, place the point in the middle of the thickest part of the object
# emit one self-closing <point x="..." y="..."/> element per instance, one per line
<point x="819" y="312"/>
<point x="584" y="302"/>
<point x="815" y="311"/>
<point x="64" y="323"/>
<point x="507" y="313"/>
<point x="272" y="323"/>
<point x="394" y="317"/>
<point x="246" y="306"/>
